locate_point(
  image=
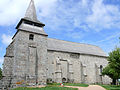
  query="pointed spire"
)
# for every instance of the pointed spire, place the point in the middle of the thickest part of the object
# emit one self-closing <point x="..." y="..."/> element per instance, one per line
<point x="31" y="12"/>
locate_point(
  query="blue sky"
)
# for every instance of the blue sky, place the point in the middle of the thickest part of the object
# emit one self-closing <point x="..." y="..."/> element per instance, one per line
<point x="94" y="22"/>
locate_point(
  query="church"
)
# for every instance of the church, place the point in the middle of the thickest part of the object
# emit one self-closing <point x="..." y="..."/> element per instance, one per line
<point x="32" y="58"/>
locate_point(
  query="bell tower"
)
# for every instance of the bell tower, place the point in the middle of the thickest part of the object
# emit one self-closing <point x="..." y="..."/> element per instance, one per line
<point x="30" y="50"/>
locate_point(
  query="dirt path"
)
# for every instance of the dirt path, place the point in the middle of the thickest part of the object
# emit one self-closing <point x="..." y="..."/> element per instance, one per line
<point x="90" y="87"/>
<point x="39" y="86"/>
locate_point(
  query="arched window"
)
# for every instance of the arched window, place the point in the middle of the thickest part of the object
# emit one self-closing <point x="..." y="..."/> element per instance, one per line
<point x="31" y="37"/>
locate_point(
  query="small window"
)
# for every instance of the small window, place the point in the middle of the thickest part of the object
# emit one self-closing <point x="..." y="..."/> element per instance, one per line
<point x="27" y="22"/>
<point x="38" y="25"/>
<point x="31" y="37"/>
<point x="101" y="67"/>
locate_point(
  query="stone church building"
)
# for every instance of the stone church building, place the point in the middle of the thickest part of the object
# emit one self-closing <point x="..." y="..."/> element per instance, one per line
<point x="33" y="58"/>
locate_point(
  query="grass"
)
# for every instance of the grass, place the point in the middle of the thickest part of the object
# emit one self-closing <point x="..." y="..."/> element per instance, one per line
<point x="111" y="87"/>
<point x="47" y="88"/>
<point x="76" y="84"/>
<point x="70" y="84"/>
<point x="55" y="86"/>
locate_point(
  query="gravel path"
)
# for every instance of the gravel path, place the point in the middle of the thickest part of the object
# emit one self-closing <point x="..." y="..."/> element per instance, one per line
<point x="90" y="87"/>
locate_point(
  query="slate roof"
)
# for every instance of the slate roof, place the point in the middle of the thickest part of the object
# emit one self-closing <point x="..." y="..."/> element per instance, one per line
<point x="66" y="46"/>
<point x="31" y="11"/>
<point x="31" y="15"/>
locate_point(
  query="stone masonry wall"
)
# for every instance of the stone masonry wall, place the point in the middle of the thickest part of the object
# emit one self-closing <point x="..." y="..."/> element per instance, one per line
<point x="74" y="65"/>
<point x="0" y="84"/>
<point x="90" y="62"/>
<point x="84" y="70"/>
<point x="22" y="63"/>
<point x="8" y="65"/>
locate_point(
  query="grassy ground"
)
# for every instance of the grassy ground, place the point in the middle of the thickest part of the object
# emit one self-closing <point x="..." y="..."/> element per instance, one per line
<point x="56" y="86"/>
<point x="70" y="84"/>
<point x="111" y="87"/>
<point x="47" y="88"/>
<point x="76" y="84"/>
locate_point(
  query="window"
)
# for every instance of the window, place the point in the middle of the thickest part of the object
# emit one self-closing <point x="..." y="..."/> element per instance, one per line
<point x="31" y="37"/>
<point x="33" y="24"/>
<point x="28" y="22"/>
<point x="75" y="55"/>
<point x="38" y="25"/>
<point x="101" y="67"/>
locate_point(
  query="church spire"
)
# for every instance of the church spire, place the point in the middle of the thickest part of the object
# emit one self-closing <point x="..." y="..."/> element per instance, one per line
<point x="30" y="21"/>
<point x="31" y="12"/>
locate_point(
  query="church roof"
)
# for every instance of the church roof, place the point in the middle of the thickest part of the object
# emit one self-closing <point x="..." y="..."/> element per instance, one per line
<point x="30" y="15"/>
<point x="30" y="23"/>
<point x="31" y="12"/>
<point x="66" y="46"/>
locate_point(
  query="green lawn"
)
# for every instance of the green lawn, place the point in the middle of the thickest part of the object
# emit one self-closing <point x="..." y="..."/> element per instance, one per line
<point x="47" y="88"/>
<point x="76" y="84"/>
<point x="111" y="87"/>
<point x="55" y="86"/>
<point x="70" y="84"/>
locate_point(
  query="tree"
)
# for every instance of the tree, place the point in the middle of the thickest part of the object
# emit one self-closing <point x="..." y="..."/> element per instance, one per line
<point x="113" y="68"/>
<point x="0" y="73"/>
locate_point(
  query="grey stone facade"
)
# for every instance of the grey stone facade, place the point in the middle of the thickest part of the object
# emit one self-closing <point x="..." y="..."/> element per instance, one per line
<point x="34" y="59"/>
<point x="0" y="84"/>
<point x="79" y="68"/>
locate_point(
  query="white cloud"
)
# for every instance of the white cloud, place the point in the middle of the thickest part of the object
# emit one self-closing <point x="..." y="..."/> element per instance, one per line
<point x="12" y="10"/>
<point x="103" y="16"/>
<point x="83" y="14"/>
<point x="60" y="14"/>
<point x="109" y="37"/>
<point x="75" y="35"/>
<point x="45" y="7"/>
<point x="6" y="39"/>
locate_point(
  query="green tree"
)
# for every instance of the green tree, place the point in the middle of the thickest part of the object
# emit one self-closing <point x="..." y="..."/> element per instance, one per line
<point x="113" y="68"/>
<point x="0" y="73"/>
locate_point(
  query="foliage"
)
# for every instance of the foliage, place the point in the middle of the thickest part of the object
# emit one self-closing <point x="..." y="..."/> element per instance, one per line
<point x="110" y="72"/>
<point x="70" y="84"/>
<point x="113" y="67"/>
<point x="111" y="87"/>
<point x="0" y="73"/>
<point x="47" y="88"/>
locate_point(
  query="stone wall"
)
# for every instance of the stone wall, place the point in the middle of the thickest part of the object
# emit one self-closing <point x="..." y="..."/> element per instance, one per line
<point x="30" y="58"/>
<point x="0" y="84"/>
<point x="85" y="68"/>
<point x="8" y="60"/>
<point x="74" y="66"/>
<point x="92" y="64"/>
<point x="8" y="66"/>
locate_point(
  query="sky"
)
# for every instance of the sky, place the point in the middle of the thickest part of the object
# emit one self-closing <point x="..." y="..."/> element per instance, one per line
<point x="95" y="22"/>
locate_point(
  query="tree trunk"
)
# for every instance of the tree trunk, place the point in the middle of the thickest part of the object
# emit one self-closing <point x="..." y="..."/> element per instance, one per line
<point x="114" y="82"/>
